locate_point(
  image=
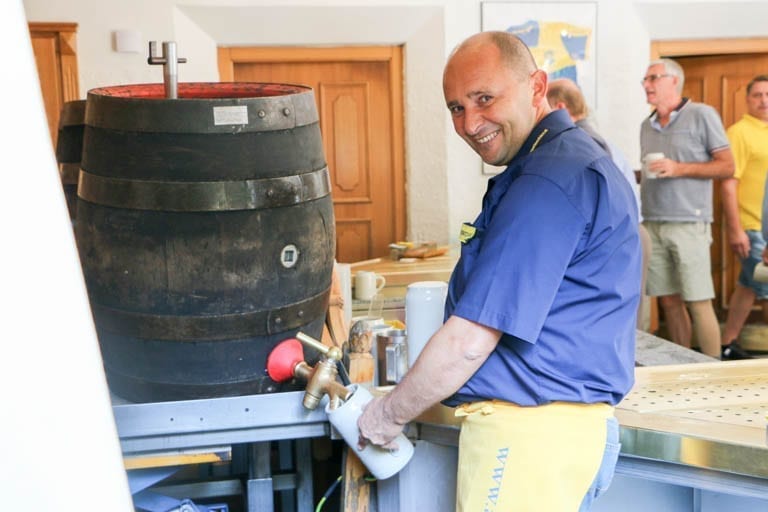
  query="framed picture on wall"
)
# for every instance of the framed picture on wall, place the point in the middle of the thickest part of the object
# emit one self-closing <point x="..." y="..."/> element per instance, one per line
<point x="561" y="36"/>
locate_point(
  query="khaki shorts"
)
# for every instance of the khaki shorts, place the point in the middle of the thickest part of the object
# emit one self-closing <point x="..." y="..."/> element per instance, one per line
<point x="680" y="262"/>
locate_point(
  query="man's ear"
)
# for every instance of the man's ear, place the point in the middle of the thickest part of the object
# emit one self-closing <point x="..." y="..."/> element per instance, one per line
<point x="539" y="82"/>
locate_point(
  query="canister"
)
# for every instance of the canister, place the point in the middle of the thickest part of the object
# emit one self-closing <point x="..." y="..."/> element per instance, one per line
<point x="392" y="356"/>
<point x="424" y="310"/>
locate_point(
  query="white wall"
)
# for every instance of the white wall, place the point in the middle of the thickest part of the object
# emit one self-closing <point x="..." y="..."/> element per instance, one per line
<point x="444" y="177"/>
<point x="60" y="444"/>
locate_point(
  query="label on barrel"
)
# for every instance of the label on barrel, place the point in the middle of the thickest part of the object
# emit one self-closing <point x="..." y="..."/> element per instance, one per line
<point x="236" y="114"/>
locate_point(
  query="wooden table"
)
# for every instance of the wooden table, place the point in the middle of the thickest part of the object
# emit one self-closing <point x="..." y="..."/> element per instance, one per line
<point x="403" y="272"/>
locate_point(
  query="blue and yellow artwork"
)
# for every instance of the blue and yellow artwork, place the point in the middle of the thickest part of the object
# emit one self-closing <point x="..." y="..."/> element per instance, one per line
<point x="555" y="45"/>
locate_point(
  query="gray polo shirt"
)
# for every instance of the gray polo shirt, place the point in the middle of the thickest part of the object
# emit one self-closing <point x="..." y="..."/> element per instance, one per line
<point x="694" y="132"/>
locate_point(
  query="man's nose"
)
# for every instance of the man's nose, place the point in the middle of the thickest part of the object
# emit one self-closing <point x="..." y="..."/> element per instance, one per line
<point x="473" y="121"/>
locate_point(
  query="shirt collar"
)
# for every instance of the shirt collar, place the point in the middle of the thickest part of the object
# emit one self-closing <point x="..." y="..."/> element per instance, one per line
<point x="755" y="121"/>
<point x="672" y="115"/>
<point x="552" y="125"/>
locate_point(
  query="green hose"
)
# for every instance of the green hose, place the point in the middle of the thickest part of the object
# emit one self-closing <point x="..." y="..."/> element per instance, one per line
<point x="330" y="490"/>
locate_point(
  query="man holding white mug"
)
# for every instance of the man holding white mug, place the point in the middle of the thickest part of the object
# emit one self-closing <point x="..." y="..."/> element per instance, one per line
<point x="684" y="147"/>
<point x="540" y="323"/>
<point x="648" y="159"/>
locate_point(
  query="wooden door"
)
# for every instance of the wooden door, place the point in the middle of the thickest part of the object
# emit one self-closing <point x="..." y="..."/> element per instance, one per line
<point x="359" y="100"/>
<point x="55" y="49"/>
<point x="721" y="81"/>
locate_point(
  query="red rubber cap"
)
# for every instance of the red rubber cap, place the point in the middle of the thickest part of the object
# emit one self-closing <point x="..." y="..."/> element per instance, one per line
<point x="283" y="359"/>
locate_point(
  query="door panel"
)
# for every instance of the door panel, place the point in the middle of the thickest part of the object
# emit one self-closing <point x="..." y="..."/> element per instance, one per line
<point x="55" y="50"/>
<point x="361" y="133"/>
<point x="721" y="81"/>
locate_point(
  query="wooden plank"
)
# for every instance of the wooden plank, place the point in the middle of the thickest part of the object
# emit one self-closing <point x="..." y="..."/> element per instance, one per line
<point x="177" y="459"/>
<point x="336" y="330"/>
<point x="356" y="490"/>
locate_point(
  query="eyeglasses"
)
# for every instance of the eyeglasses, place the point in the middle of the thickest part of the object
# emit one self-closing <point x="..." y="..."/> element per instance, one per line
<point x="652" y="78"/>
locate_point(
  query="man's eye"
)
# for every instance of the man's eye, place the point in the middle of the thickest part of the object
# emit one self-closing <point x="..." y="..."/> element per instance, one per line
<point x="485" y="98"/>
<point x="456" y="109"/>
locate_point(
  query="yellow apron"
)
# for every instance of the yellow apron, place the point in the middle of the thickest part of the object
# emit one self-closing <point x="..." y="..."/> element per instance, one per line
<point x="528" y="459"/>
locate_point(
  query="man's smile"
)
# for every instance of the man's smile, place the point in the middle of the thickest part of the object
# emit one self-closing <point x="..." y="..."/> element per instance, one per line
<point x="487" y="138"/>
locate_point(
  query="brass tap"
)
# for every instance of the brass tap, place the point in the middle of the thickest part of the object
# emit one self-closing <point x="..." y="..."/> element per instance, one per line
<point x="321" y="379"/>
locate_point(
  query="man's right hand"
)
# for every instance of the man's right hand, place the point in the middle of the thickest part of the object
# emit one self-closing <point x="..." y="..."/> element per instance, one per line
<point x="377" y="426"/>
<point x="739" y="243"/>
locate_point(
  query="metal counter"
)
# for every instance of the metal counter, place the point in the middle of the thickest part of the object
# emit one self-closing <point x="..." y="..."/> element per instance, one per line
<point x="689" y="433"/>
<point x="710" y="415"/>
<point x="175" y="433"/>
<point x="693" y="439"/>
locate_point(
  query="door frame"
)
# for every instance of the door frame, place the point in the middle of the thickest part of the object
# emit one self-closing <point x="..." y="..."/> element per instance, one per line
<point x="228" y="57"/>
<point x="64" y="87"/>
<point x="692" y="47"/>
<point x="66" y="38"/>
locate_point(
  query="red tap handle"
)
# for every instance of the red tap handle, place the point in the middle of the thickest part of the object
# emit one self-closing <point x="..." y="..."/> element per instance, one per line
<point x="283" y="359"/>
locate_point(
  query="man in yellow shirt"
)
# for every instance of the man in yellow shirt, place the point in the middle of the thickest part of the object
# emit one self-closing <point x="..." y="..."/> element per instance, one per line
<point x="742" y="203"/>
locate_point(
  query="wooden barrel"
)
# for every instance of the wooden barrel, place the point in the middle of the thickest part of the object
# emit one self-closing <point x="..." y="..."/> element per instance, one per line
<point x="69" y="149"/>
<point x="206" y="233"/>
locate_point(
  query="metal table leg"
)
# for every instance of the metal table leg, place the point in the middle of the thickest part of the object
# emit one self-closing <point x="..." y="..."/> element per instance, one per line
<point x="259" y="489"/>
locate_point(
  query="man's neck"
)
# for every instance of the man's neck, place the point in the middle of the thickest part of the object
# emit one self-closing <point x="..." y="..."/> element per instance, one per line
<point x="663" y="111"/>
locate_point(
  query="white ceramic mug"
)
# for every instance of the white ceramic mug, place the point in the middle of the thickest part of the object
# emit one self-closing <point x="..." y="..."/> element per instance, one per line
<point x="647" y="159"/>
<point x="380" y="462"/>
<point x="368" y="284"/>
<point x="424" y="310"/>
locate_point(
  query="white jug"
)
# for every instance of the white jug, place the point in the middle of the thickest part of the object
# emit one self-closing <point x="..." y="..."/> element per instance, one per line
<point x="424" y="310"/>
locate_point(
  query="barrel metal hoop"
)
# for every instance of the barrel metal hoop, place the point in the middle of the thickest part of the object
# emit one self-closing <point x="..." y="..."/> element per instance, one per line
<point x="204" y="116"/>
<point x="204" y="196"/>
<point x="68" y="172"/>
<point x="210" y="327"/>
<point x="72" y="114"/>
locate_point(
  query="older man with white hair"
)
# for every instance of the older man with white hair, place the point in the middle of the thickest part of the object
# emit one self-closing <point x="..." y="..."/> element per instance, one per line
<point x="676" y="197"/>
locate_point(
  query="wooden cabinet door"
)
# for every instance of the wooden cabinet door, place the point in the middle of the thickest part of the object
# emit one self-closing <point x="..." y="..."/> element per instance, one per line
<point x="721" y="81"/>
<point x="55" y="49"/>
<point x="359" y="100"/>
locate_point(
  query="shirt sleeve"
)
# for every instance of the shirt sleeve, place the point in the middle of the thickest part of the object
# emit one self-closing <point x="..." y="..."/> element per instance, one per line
<point x="739" y="150"/>
<point x="525" y="251"/>
<point x="715" y="133"/>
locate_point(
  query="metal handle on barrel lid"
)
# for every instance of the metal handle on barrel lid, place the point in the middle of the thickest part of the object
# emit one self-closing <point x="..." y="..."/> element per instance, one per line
<point x="169" y="60"/>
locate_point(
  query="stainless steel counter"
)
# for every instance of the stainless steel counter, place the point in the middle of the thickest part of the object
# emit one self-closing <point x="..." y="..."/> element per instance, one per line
<point x="699" y="426"/>
<point x="708" y="415"/>
<point x="693" y="439"/>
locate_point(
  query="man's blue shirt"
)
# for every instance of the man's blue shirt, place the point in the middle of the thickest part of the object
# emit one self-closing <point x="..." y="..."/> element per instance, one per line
<point x="553" y="262"/>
